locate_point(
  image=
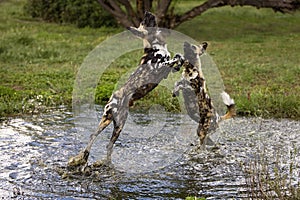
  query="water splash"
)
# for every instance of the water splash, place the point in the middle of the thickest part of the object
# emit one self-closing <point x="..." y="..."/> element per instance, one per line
<point x="34" y="146"/>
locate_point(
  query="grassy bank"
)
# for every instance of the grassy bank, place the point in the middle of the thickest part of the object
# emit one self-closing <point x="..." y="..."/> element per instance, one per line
<point x="257" y="53"/>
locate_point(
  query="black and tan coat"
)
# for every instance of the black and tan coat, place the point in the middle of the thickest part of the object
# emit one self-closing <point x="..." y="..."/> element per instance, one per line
<point x="155" y="65"/>
<point x="196" y="97"/>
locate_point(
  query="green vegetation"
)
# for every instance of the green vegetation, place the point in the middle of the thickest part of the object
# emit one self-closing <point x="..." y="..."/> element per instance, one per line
<point x="194" y="198"/>
<point x="38" y="60"/>
<point x="272" y="181"/>
<point x="78" y="12"/>
<point x="256" y="52"/>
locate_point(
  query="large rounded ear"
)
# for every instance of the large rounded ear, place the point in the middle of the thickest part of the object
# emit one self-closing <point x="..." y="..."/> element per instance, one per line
<point x="149" y="20"/>
<point x="204" y="45"/>
<point x="186" y="45"/>
<point x="189" y="51"/>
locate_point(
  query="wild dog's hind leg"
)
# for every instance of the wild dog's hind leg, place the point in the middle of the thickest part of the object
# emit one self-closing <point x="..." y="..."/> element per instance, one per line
<point x="116" y="133"/>
<point x="119" y="122"/>
<point x="203" y="127"/>
<point x="177" y="87"/>
<point x="82" y="157"/>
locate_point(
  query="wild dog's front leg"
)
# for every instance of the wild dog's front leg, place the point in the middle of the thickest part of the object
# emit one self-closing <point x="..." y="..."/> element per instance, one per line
<point x="176" y="62"/>
<point x="177" y="87"/>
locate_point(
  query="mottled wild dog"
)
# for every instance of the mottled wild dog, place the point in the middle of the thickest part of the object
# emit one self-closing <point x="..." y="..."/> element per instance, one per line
<point x="196" y="98"/>
<point x="155" y="65"/>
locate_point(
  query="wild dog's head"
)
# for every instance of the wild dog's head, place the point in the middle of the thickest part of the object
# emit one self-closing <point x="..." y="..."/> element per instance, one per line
<point x="192" y="54"/>
<point x="149" y="32"/>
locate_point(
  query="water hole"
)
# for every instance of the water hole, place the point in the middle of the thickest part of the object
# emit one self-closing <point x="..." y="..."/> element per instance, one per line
<point x="32" y="147"/>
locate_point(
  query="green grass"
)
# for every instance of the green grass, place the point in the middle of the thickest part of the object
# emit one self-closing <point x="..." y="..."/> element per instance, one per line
<point x="256" y="52"/>
<point x="194" y="198"/>
<point x="38" y="61"/>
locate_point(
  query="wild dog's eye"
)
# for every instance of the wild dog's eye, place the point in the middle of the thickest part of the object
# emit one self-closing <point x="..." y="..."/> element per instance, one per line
<point x="194" y="47"/>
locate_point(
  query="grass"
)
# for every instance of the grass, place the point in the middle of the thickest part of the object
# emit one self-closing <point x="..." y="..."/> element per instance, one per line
<point x="274" y="178"/>
<point x="256" y="52"/>
<point x="38" y="61"/>
<point x="194" y="198"/>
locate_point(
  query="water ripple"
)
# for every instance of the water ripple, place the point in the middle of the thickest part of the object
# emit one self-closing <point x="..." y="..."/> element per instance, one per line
<point x="32" y="147"/>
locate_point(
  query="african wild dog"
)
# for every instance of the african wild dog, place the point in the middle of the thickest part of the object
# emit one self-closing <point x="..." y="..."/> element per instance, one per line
<point x="154" y="66"/>
<point x="196" y="98"/>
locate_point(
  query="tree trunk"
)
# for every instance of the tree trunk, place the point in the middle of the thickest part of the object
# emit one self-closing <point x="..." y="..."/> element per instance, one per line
<point x="126" y="15"/>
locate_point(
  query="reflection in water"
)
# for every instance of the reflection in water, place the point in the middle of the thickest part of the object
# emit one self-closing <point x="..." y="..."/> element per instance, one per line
<point x="32" y="147"/>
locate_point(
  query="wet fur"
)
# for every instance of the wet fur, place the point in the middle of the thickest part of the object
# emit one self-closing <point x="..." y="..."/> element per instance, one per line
<point x="196" y="98"/>
<point x="155" y="65"/>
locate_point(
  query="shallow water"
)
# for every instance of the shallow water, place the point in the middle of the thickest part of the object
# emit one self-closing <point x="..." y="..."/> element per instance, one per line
<point x="155" y="158"/>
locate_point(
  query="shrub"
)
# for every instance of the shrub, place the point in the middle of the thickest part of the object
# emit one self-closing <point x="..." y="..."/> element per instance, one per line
<point x="82" y="13"/>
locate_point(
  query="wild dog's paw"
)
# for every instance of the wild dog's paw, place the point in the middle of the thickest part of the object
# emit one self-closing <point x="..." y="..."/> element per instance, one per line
<point x="179" y="61"/>
<point x="79" y="160"/>
<point x="102" y="164"/>
<point x="175" y="93"/>
<point x="178" y="86"/>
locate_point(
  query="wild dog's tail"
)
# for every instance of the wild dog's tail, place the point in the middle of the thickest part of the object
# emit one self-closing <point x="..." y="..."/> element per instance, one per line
<point x="229" y="102"/>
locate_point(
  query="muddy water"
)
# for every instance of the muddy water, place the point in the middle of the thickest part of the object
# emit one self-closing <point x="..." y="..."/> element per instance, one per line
<point x="34" y="147"/>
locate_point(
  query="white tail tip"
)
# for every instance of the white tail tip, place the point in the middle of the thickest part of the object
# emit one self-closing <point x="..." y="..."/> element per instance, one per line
<point x="226" y="99"/>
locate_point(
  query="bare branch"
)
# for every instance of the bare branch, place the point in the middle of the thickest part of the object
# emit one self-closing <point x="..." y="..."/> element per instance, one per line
<point x="143" y="6"/>
<point x="198" y="10"/>
<point x="140" y="8"/>
<point x="277" y="5"/>
<point x="162" y="8"/>
<point x="113" y="8"/>
<point x="110" y="8"/>
<point x="131" y="14"/>
<point x="147" y="5"/>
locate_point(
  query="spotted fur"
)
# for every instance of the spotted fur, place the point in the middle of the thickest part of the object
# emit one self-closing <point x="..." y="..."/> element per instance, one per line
<point x="196" y="98"/>
<point x="155" y="65"/>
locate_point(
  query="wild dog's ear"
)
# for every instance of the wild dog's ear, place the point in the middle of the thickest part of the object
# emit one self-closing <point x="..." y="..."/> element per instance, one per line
<point x="186" y="44"/>
<point x="137" y="32"/>
<point x="187" y="47"/>
<point x="204" y="45"/>
<point x="149" y="20"/>
<point x="202" y="48"/>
